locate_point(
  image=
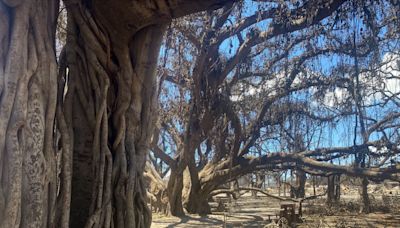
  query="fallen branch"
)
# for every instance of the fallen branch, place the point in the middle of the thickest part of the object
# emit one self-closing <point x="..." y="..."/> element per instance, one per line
<point x="300" y="200"/>
<point x="313" y="197"/>
<point x="231" y="192"/>
<point x="267" y="194"/>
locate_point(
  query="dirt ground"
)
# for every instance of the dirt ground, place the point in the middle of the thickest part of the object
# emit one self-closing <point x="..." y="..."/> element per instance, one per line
<point x="256" y="212"/>
<point x="249" y="220"/>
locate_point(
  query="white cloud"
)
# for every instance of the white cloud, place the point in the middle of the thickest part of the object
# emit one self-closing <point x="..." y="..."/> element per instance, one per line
<point x="335" y="97"/>
<point x="387" y="80"/>
<point x="391" y="73"/>
<point x="260" y="87"/>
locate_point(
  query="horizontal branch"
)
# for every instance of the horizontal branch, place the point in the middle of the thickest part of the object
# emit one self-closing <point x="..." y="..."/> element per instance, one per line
<point x="267" y="194"/>
<point x="159" y="153"/>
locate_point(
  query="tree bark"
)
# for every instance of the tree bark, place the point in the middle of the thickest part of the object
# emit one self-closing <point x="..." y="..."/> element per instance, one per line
<point x="197" y="200"/>
<point x="337" y="188"/>
<point x="28" y="92"/>
<point x="365" y="196"/>
<point x="198" y="203"/>
<point x="112" y="85"/>
<point x="175" y="186"/>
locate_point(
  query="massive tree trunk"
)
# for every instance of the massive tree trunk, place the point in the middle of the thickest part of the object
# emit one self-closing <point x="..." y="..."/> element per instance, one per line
<point x="197" y="202"/>
<point x="105" y="116"/>
<point x="203" y="182"/>
<point x="28" y="91"/>
<point x="112" y="51"/>
<point x="177" y="179"/>
<point x="197" y="197"/>
<point x="174" y="188"/>
<point x="112" y="88"/>
<point x="185" y="159"/>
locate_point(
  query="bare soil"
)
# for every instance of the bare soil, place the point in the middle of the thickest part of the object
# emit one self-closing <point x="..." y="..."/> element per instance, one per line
<point x="258" y="211"/>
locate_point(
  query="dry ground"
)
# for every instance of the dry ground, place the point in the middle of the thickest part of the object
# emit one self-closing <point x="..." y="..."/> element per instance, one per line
<point x="254" y="212"/>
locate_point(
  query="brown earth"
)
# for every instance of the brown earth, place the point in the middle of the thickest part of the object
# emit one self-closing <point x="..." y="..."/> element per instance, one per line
<point x="249" y="211"/>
